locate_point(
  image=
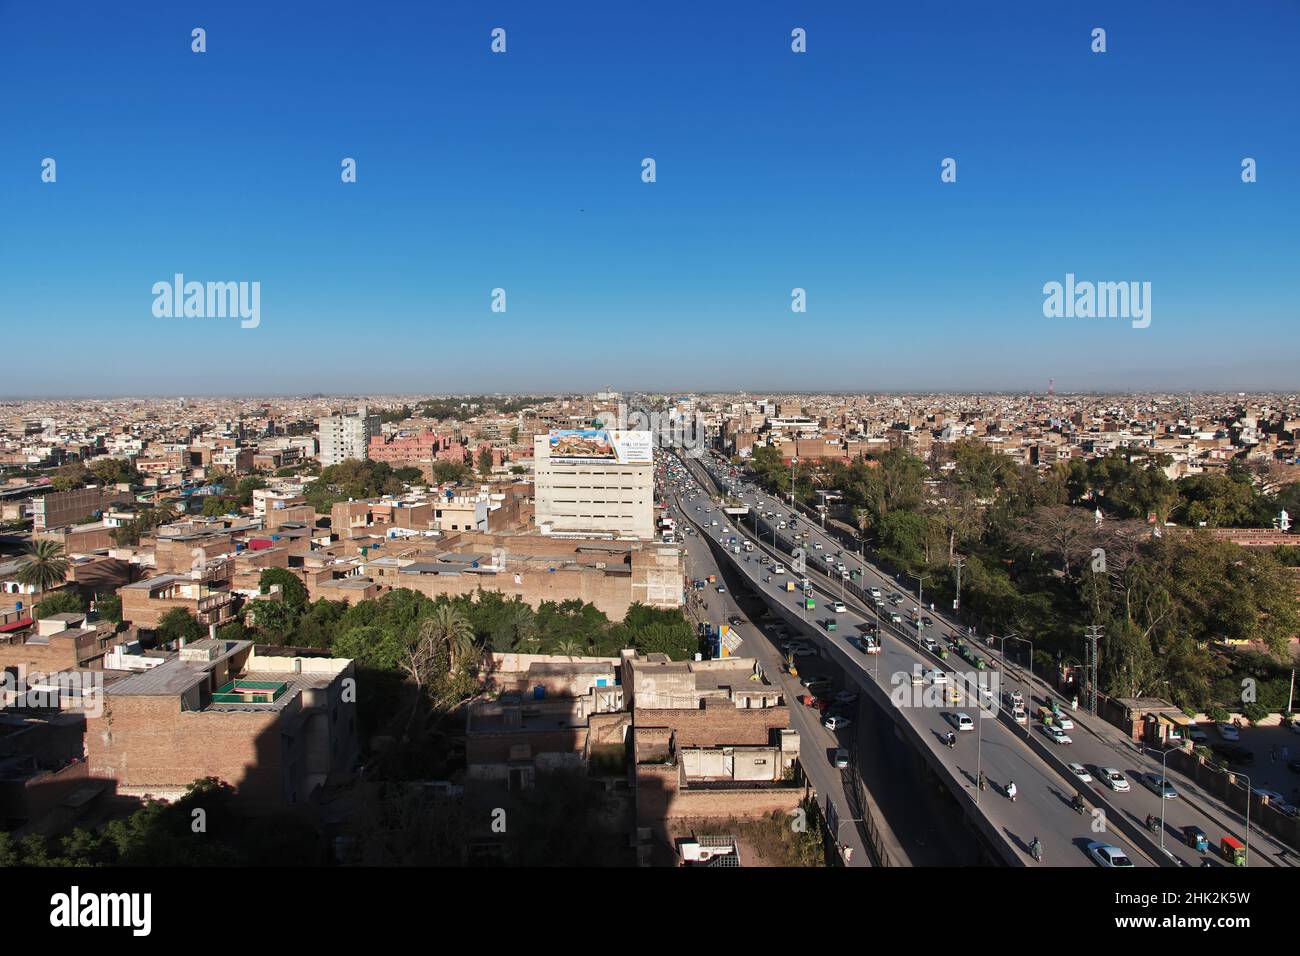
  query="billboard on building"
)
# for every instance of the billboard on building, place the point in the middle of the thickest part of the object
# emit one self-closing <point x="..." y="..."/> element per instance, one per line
<point x="578" y="445"/>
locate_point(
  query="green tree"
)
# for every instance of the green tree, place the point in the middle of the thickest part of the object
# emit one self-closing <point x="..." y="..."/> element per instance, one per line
<point x="449" y="625"/>
<point x="109" y="608"/>
<point x="449" y="471"/>
<point x="70" y="477"/>
<point x="60" y="602"/>
<point x="292" y="591"/>
<point x="43" y="566"/>
<point x="176" y="624"/>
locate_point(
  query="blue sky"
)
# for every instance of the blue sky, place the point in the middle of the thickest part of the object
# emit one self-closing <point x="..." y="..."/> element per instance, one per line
<point x="522" y="171"/>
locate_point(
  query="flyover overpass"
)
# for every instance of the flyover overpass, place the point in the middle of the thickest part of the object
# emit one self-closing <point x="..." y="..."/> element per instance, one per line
<point x="1094" y="744"/>
<point x="1042" y="808"/>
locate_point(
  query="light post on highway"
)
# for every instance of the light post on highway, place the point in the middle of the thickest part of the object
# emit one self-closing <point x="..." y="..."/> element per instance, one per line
<point x="920" y="581"/>
<point x="1013" y="636"/>
<point x="1017" y="637"/>
<point x="979" y="748"/>
<point x="1249" y="792"/>
<point x="1164" y="757"/>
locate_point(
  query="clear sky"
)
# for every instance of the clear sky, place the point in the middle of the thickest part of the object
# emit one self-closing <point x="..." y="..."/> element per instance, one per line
<point x="522" y="171"/>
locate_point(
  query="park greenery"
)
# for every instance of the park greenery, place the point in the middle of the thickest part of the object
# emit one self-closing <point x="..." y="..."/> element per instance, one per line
<point x="1038" y="561"/>
<point x="418" y="657"/>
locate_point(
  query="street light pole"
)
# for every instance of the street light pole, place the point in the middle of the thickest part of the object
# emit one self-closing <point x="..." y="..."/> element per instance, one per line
<point x="1017" y="637"/>
<point x="1249" y="791"/>
<point x="979" y="752"/>
<point x="1164" y="757"/>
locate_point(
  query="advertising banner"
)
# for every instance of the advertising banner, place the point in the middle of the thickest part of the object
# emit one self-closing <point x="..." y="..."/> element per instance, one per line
<point x="579" y="445"/>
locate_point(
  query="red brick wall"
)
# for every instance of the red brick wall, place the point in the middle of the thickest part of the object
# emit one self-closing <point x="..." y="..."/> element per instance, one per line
<point x="148" y="742"/>
<point x="718" y="724"/>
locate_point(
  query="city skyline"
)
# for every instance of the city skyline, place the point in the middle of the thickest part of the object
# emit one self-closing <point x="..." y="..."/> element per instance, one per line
<point x="776" y="171"/>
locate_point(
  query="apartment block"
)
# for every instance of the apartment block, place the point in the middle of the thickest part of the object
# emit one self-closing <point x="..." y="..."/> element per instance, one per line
<point x="146" y="602"/>
<point x="275" y="723"/>
<point x="344" y="436"/>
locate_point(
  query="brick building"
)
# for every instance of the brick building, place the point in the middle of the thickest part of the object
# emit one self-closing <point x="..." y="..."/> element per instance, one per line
<point x="274" y="723"/>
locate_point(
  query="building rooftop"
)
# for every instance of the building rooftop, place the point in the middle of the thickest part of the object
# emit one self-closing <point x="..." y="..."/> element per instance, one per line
<point x="180" y="673"/>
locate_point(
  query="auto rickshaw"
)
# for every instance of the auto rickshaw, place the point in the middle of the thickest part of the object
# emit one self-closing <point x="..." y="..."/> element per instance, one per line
<point x="1232" y="851"/>
<point x="1196" y="839"/>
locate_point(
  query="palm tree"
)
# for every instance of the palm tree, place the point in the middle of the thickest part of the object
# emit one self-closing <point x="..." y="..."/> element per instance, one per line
<point x="569" y="647"/>
<point x="43" y="566"/>
<point x="449" y="624"/>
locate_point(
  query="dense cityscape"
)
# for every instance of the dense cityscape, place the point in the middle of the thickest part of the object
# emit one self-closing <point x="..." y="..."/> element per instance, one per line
<point x="732" y="629"/>
<point x="450" y="448"/>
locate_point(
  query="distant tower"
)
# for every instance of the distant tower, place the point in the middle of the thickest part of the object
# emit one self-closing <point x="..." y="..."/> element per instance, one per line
<point x="1051" y="387"/>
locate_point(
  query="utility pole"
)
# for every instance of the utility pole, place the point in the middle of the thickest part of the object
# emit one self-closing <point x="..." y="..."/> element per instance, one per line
<point x="957" y="563"/>
<point x="1092" y="637"/>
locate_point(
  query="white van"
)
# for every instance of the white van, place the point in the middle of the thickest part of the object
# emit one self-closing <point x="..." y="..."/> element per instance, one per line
<point x="778" y="569"/>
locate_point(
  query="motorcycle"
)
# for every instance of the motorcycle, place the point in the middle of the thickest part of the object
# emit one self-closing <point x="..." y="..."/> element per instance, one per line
<point x="1078" y="804"/>
<point x="1036" y="849"/>
<point x="983" y="783"/>
<point x="1153" y="823"/>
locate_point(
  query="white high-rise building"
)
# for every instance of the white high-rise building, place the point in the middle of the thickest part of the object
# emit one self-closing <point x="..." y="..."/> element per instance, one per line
<point x="594" y="482"/>
<point x="345" y="436"/>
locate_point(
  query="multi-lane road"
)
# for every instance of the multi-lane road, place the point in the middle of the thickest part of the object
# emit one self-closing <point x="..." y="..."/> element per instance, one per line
<point x="996" y="746"/>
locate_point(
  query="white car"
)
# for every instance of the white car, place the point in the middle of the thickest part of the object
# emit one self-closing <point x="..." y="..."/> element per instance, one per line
<point x="839" y="607"/>
<point x="1229" y="732"/>
<point x="1081" y="773"/>
<point x="835" y="723"/>
<point x="841" y="759"/>
<point x="1113" y="779"/>
<point x="964" y="722"/>
<point x="1111" y="857"/>
<point x="938" y="677"/>
<point x="778" y="569"/>
<point x="1056" y="735"/>
<point x="1065" y="723"/>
